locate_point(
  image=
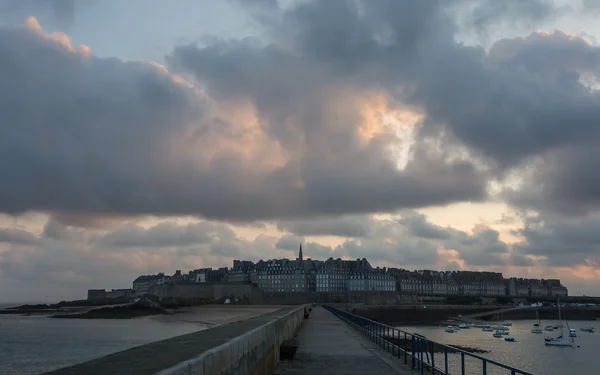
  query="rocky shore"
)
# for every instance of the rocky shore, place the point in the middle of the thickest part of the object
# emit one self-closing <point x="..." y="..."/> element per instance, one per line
<point x="142" y="307"/>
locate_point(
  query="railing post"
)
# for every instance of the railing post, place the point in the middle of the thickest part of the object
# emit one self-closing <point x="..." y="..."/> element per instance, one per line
<point x="432" y="357"/>
<point x="405" y="348"/>
<point x="421" y="352"/>
<point x="413" y="351"/>
<point x="462" y="363"/>
<point x="446" y="360"/>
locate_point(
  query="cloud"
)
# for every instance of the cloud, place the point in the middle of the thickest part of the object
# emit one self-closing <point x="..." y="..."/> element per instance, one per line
<point x="61" y="11"/>
<point x="165" y="234"/>
<point x="561" y="241"/>
<point x="201" y="151"/>
<point x="18" y="237"/>
<point x="344" y="226"/>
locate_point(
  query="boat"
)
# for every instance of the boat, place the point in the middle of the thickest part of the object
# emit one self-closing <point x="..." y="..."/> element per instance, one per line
<point x="548" y="328"/>
<point x="497" y="334"/>
<point x="504" y="332"/>
<point x="572" y="332"/>
<point x="464" y="326"/>
<point x="536" y="327"/>
<point x="560" y="340"/>
<point x="450" y="329"/>
<point x="487" y="329"/>
<point x="507" y="323"/>
<point x="589" y="329"/>
<point x="499" y="327"/>
<point x="510" y="339"/>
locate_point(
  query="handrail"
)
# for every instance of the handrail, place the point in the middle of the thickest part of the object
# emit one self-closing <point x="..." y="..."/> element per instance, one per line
<point x="422" y="350"/>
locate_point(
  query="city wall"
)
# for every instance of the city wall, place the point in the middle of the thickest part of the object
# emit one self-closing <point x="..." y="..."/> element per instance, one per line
<point x="194" y="293"/>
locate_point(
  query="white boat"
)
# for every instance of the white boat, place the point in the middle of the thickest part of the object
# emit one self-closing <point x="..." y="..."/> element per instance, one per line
<point x="497" y="334"/>
<point x="589" y="329"/>
<point x="572" y="332"/>
<point x="450" y="329"/>
<point x="499" y="327"/>
<point x="464" y="326"/>
<point x="507" y="323"/>
<point x="559" y="341"/>
<point x="487" y="329"/>
<point x="548" y="328"/>
<point x="536" y="329"/>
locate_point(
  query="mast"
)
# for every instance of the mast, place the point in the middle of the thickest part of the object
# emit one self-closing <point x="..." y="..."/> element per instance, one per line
<point x="560" y="318"/>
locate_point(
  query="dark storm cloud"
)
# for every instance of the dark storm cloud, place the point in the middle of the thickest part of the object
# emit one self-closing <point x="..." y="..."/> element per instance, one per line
<point x="565" y="241"/>
<point x="92" y="135"/>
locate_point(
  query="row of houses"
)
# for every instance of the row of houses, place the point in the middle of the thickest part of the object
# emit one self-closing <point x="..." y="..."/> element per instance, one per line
<point x="338" y="276"/>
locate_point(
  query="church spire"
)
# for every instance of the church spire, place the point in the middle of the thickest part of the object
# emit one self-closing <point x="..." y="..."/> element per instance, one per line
<point x="300" y="253"/>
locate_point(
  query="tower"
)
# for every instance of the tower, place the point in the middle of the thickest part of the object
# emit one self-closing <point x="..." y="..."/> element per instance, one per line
<point x="300" y="253"/>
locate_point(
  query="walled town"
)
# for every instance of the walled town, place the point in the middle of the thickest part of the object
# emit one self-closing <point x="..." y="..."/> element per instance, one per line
<point x="340" y="278"/>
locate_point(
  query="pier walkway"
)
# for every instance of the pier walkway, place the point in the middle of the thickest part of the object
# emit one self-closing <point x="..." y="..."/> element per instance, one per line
<point x="330" y="346"/>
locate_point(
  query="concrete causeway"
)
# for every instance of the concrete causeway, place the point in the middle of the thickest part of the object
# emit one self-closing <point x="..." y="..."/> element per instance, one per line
<point x="329" y="346"/>
<point x="158" y="356"/>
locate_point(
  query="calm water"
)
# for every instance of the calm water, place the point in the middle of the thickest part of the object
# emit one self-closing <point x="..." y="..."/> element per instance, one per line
<point x="35" y="344"/>
<point x="528" y="353"/>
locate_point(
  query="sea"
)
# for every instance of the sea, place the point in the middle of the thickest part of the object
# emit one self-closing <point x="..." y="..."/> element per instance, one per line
<point x="36" y="344"/>
<point x="527" y="353"/>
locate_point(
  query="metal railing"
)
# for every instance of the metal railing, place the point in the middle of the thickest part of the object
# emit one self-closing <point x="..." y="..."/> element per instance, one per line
<point x="419" y="352"/>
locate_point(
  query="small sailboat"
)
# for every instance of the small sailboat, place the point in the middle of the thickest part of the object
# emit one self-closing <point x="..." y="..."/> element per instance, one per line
<point x="507" y="323"/>
<point x="572" y="332"/>
<point x="537" y="326"/>
<point x="487" y="329"/>
<point x="464" y="326"/>
<point x="549" y="328"/>
<point x="509" y="339"/>
<point x="560" y="340"/>
<point x="497" y="334"/>
<point x="589" y="329"/>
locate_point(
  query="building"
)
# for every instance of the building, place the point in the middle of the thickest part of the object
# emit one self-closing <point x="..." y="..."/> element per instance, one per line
<point x="333" y="275"/>
<point x="374" y="280"/>
<point x="143" y="284"/>
<point x="286" y="276"/>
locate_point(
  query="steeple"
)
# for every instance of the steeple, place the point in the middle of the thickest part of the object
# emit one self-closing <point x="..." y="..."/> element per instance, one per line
<point x="300" y="253"/>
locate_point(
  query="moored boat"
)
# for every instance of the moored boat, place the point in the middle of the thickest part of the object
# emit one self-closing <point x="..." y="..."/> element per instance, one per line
<point x="572" y="332"/>
<point x="510" y="339"/>
<point x="487" y="329"/>
<point x="450" y="329"/>
<point x="589" y="329"/>
<point x="497" y="334"/>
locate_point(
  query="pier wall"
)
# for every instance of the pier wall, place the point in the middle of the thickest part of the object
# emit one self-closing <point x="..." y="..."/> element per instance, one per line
<point x="255" y="352"/>
<point x="248" y="346"/>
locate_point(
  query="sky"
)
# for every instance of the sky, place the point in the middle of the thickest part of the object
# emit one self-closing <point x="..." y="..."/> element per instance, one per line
<point x="147" y="136"/>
